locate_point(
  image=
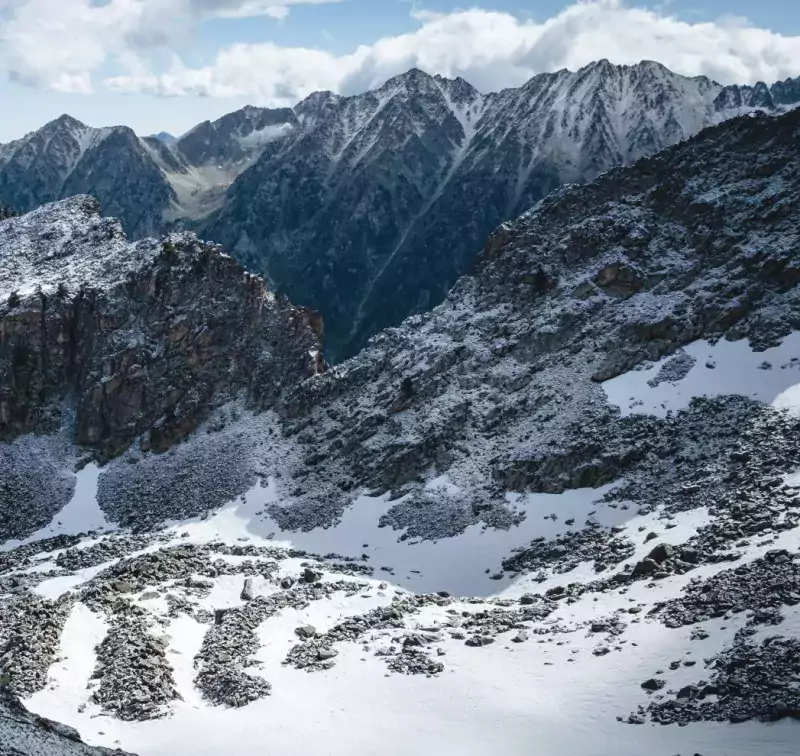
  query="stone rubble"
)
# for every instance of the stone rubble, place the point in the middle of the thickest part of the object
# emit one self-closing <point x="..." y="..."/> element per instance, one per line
<point x="748" y="681"/>
<point x="135" y="680"/>
<point x="30" y="631"/>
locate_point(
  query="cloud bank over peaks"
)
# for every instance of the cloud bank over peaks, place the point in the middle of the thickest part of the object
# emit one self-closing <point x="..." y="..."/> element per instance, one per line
<point x="491" y="49"/>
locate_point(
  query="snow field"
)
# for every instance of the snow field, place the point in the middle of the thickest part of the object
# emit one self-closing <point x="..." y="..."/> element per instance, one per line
<point x="549" y="695"/>
<point x="81" y="514"/>
<point x="532" y="698"/>
<point x="737" y="370"/>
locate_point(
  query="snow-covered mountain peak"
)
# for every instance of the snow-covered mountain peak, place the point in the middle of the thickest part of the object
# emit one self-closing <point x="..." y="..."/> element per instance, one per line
<point x="395" y="166"/>
<point x="56" y="149"/>
<point x="235" y="138"/>
<point x="413" y="80"/>
<point x="65" y="121"/>
<point x="165" y="137"/>
<point x="62" y="245"/>
<point x="317" y="105"/>
<point x="786" y="92"/>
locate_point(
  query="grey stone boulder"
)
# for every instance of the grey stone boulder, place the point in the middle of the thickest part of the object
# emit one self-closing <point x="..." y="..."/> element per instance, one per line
<point x="476" y="641"/>
<point x="645" y="567"/>
<point x="249" y="590"/>
<point x="661" y="553"/>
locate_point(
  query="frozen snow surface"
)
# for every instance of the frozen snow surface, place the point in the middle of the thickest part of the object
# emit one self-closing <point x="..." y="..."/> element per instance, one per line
<point x="724" y="368"/>
<point x="82" y="514"/>
<point x="511" y="698"/>
<point x="521" y="699"/>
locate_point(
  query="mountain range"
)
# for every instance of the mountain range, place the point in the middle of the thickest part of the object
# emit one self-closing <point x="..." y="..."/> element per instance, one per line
<point x="368" y="208"/>
<point x="557" y="513"/>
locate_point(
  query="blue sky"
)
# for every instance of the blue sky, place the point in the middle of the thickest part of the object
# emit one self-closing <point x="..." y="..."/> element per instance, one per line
<point x="168" y="64"/>
<point x="342" y="27"/>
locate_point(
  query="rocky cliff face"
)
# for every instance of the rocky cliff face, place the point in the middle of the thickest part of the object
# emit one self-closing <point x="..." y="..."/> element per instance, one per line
<point x="138" y="339"/>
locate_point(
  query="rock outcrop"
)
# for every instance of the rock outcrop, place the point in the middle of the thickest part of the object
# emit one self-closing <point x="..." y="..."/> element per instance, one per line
<point x="139" y="340"/>
<point x="25" y="734"/>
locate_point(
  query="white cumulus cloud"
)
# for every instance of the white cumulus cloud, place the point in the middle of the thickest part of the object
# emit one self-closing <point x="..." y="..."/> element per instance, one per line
<point x="490" y="49"/>
<point x="62" y="44"/>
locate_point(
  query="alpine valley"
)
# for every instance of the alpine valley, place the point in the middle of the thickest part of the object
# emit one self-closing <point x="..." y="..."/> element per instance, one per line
<point x="556" y="513"/>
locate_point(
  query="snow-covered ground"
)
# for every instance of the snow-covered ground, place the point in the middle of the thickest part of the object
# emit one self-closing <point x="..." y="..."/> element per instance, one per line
<point x="460" y="565"/>
<point x="548" y="696"/>
<point x="544" y="698"/>
<point x="724" y="368"/>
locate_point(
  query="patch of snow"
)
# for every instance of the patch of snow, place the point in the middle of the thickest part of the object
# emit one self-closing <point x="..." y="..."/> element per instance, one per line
<point x="442" y="483"/>
<point x="201" y="189"/>
<point x="43" y="565"/>
<point x="259" y="138"/>
<point x="66" y="689"/>
<point x="460" y="565"/>
<point x="724" y="368"/>
<point x="277" y="636"/>
<point x="226" y="593"/>
<point x="186" y="638"/>
<point x="82" y="513"/>
<point x="515" y="700"/>
<point x="56" y="587"/>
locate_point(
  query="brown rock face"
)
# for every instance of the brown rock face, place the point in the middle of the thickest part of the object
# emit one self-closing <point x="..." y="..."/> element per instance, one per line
<point x="144" y="351"/>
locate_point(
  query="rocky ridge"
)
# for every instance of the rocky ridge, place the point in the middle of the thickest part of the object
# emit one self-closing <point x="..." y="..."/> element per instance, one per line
<point x="116" y="341"/>
<point x="65" y="158"/>
<point x="346" y="203"/>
